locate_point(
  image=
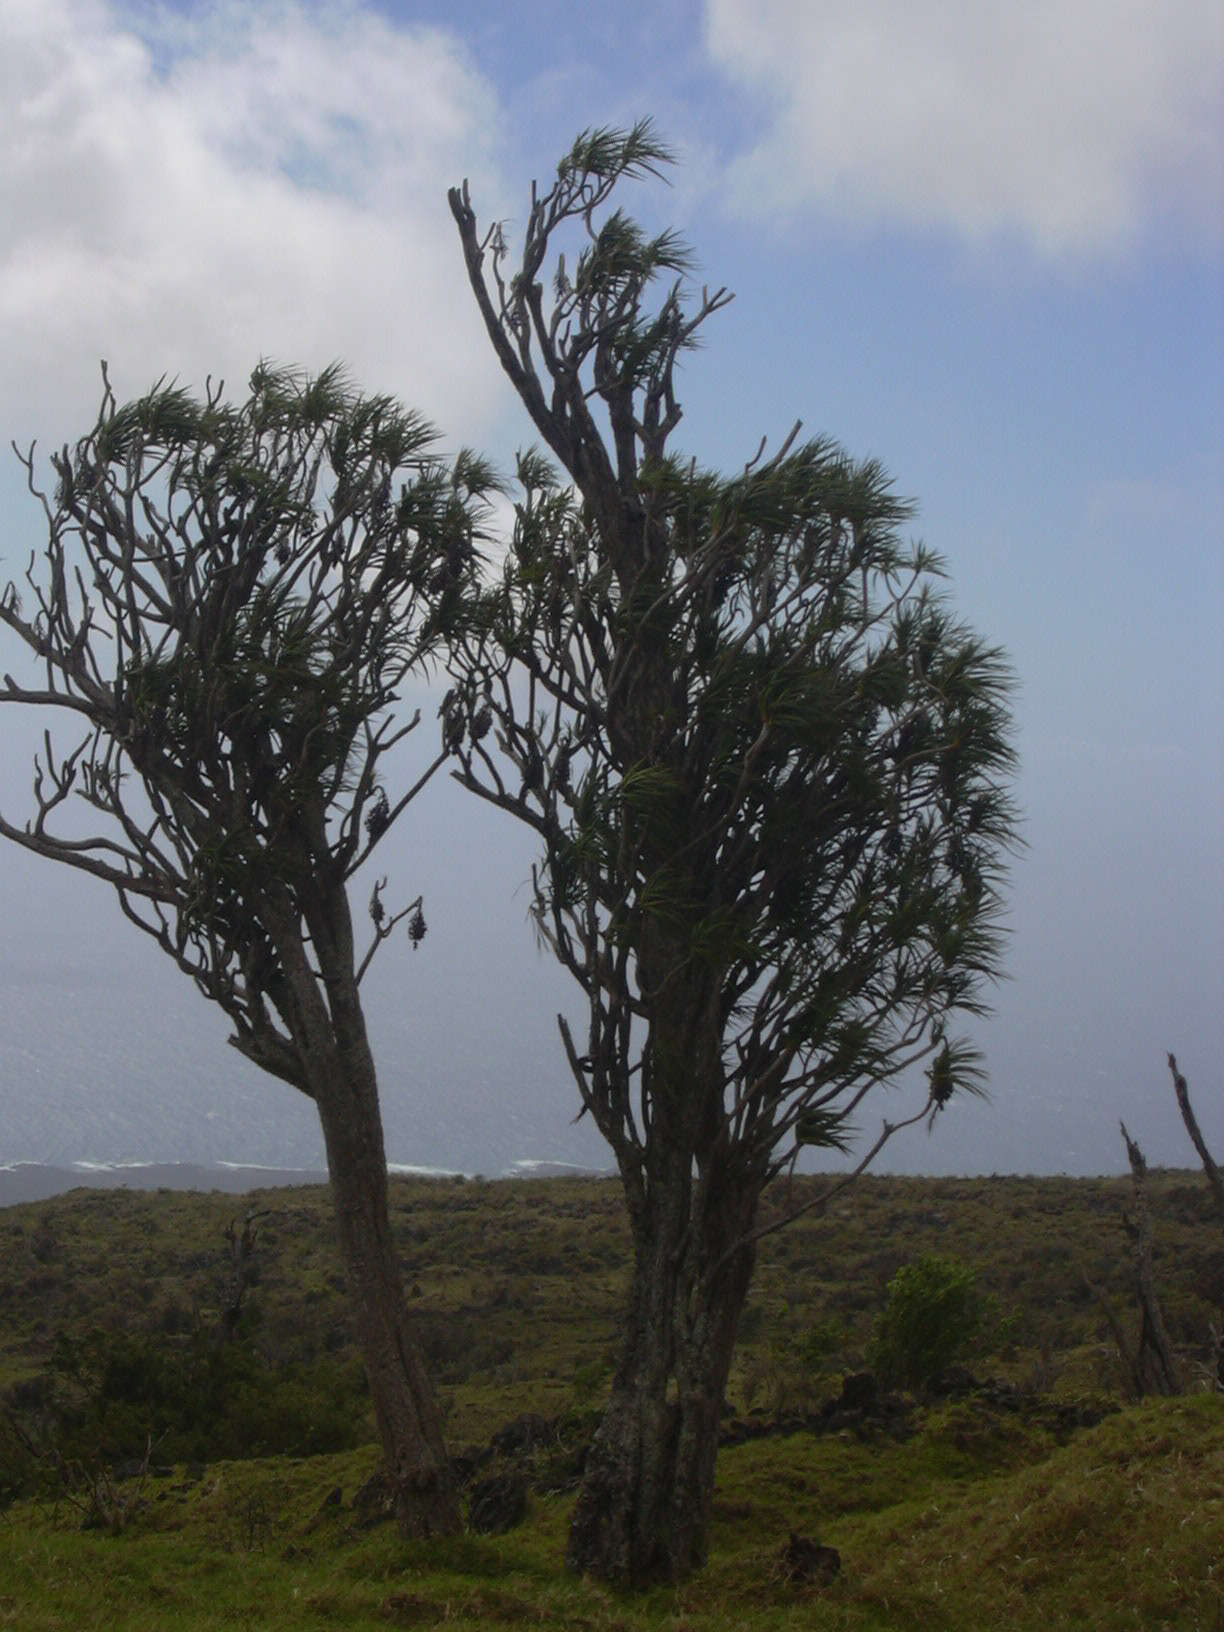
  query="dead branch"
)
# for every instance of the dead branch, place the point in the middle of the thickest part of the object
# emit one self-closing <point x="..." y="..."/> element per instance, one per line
<point x="1154" y="1367"/>
<point x="1214" y="1179"/>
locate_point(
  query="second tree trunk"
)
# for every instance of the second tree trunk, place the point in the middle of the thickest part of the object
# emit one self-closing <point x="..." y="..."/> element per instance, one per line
<point x="643" y="1513"/>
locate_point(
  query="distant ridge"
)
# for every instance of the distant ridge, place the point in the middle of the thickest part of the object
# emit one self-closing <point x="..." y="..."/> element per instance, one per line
<point x="555" y="1170"/>
<point x="36" y="1181"/>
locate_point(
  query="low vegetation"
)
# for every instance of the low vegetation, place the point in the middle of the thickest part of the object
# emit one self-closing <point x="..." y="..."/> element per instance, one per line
<point x="163" y="1466"/>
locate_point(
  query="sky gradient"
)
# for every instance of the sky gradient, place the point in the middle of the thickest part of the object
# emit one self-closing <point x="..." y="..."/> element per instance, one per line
<point x="983" y="243"/>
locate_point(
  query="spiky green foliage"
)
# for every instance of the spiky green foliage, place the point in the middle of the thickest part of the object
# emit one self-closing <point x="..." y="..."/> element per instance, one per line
<point x="933" y="1315"/>
<point x="737" y="710"/>
<point x="769" y="770"/>
<point x="816" y="805"/>
<point x="231" y="597"/>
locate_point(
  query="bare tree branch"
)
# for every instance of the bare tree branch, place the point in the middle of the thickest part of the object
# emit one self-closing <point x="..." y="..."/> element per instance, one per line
<point x="1214" y="1179"/>
<point x="1154" y="1365"/>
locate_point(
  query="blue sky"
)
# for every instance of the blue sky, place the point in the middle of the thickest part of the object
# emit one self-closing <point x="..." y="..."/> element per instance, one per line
<point x="981" y="242"/>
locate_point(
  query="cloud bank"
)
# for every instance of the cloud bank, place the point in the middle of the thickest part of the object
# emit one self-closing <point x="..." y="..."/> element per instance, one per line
<point x="1067" y="124"/>
<point x="184" y="195"/>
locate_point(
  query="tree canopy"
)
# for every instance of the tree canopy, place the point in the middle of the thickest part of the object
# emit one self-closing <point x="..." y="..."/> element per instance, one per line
<point x="768" y="768"/>
<point x="230" y="600"/>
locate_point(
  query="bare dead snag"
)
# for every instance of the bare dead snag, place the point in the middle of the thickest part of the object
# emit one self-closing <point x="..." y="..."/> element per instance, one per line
<point x="240" y="1249"/>
<point x="1215" y="1331"/>
<point x="1128" y="1353"/>
<point x="1181" y="1089"/>
<point x="1153" y="1365"/>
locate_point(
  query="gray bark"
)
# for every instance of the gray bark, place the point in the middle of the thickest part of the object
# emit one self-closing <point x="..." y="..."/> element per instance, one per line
<point x="1181" y="1089"/>
<point x="643" y="1512"/>
<point x="408" y="1421"/>
<point x="339" y="1069"/>
<point x="1153" y="1365"/>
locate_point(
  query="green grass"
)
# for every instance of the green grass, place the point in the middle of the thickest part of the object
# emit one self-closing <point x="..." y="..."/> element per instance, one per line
<point x="1123" y="1527"/>
<point x="982" y="1518"/>
<point x="519" y="1284"/>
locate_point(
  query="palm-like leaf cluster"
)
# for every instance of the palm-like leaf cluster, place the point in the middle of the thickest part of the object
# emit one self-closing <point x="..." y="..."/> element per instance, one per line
<point x="768" y="766"/>
<point x="231" y="598"/>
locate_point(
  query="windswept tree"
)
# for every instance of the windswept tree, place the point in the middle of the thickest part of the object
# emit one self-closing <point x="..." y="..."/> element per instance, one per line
<point x="229" y="601"/>
<point x="767" y="768"/>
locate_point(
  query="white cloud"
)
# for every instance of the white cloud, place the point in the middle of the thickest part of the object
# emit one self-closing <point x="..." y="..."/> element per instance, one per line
<point x="184" y="196"/>
<point x="1068" y="123"/>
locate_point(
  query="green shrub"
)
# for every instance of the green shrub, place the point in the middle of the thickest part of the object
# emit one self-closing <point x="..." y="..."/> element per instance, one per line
<point x="108" y="1398"/>
<point x="933" y="1318"/>
<point x="821" y="1343"/>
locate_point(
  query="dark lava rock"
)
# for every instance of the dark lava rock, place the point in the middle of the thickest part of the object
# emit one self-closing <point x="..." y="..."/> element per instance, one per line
<point x="524" y="1433"/>
<point x="807" y="1561"/>
<point x="953" y="1383"/>
<point x="497" y="1504"/>
<point x="860" y="1392"/>
<point x="374" y="1503"/>
<point x="466" y="1461"/>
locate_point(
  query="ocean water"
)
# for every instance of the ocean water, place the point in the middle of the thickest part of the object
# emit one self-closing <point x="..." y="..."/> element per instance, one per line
<point x="35" y="1181"/>
<point x="108" y="1054"/>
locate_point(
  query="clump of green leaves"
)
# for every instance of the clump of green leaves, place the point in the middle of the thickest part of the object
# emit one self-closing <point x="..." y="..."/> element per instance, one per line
<point x="934" y="1317"/>
<point x="109" y="1399"/>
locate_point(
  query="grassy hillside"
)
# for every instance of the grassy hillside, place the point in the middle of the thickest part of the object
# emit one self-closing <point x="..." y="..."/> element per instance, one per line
<point x="1041" y="1500"/>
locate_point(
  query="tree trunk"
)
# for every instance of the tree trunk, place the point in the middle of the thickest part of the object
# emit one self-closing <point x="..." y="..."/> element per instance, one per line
<point x="1214" y="1178"/>
<point x="409" y="1423"/>
<point x="334" y="1050"/>
<point x="1154" y="1367"/>
<point x="643" y="1512"/>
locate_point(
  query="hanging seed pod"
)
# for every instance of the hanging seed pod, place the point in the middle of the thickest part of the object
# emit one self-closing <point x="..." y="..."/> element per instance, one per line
<point x="378" y="817"/>
<point x="941" y="1077"/>
<point x="453" y="725"/>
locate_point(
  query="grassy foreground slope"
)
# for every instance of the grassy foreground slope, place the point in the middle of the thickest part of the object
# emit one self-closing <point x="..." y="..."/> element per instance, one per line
<point x="1123" y="1527"/>
<point x="995" y="1509"/>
